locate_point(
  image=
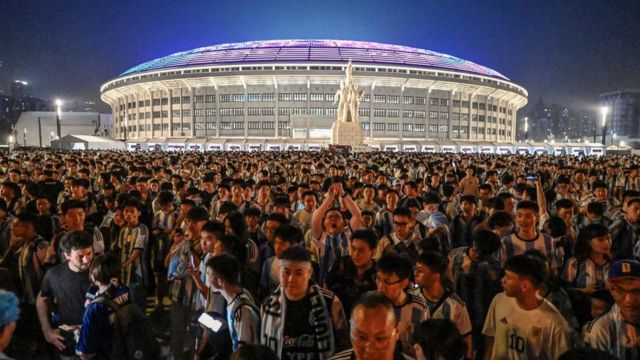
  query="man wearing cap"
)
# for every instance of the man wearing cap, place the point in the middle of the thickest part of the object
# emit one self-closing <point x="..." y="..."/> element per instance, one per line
<point x="520" y="324"/>
<point x="9" y="312"/>
<point x="618" y="331"/>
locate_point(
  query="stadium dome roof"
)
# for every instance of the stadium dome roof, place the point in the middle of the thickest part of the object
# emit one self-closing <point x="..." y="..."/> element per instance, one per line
<point x="361" y="52"/>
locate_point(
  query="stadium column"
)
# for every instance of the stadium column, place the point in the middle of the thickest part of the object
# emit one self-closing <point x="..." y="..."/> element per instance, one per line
<point x="427" y="109"/>
<point x="400" y="118"/>
<point x="216" y="101"/>
<point x="170" y="113"/>
<point x="371" y="111"/>
<point x="470" y="116"/>
<point x="244" y="111"/>
<point x="449" y="117"/>
<point x="193" y="112"/>
<point x="276" y="129"/>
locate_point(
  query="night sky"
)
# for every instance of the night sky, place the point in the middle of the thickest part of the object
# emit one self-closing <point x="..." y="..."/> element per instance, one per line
<point x="565" y="51"/>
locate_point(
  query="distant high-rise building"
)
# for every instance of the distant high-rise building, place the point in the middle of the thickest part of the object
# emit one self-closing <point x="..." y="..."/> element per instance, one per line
<point x="623" y="118"/>
<point x="539" y="121"/>
<point x="20" y="88"/>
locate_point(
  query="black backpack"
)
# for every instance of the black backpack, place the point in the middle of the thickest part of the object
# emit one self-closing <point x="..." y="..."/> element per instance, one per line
<point x="133" y="335"/>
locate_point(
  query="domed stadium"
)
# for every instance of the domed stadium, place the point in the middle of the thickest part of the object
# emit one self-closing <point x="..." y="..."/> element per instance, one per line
<point x="279" y="95"/>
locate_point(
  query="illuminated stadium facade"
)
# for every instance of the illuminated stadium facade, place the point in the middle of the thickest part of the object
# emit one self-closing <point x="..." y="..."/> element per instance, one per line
<point x="280" y="95"/>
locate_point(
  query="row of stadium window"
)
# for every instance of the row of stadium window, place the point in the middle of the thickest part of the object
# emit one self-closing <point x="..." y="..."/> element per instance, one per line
<point x="255" y="125"/>
<point x="270" y="111"/>
<point x="314" y="97"/>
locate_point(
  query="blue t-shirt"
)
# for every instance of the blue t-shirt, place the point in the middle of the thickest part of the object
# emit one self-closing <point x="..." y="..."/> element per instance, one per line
<point x="97" y="324"/>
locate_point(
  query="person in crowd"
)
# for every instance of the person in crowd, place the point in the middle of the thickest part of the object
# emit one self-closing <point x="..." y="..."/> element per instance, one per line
<point x="616" y="332"/>
<point x="285" y="237"/>
<point x="521" y="324"/>
<point x="355" y="274"/>
<point x="330" y="232"/>
<point x="373" y="331"/>
<point x="95" y="336"/>
<point x="9" y="313"/>
<point x="299" y="310"/>
<point x="393" y="273"/>
<point x="243" y="317"/>
<point x="439" y="339"/>
<point x="62" y="293"/>
<point x="430" y="272"/>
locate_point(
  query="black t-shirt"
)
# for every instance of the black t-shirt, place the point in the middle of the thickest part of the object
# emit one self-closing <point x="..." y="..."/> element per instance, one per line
<point x="67" y="290"/>
<point x="299" y="334"/>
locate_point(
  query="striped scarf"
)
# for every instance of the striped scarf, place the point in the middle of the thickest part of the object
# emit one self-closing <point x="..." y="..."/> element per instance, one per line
<point x="274" y="314"/>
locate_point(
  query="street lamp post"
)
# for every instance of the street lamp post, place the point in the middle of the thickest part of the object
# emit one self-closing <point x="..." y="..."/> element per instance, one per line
<point x="604" y="111"/>
<point x="11" y="140"/>
<point x="526" y="129"/>
<point x="58" y="115"/>
<point x="24" y="137"/>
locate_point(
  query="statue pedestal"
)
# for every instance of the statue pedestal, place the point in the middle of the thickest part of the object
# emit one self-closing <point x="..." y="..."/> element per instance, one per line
<point x="347" y="133"/>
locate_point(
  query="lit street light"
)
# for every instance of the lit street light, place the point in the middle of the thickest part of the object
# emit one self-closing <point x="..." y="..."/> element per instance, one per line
<point x="526" y="129"/>
<point x="604" y="110"/>
<point x="58" y="115"/>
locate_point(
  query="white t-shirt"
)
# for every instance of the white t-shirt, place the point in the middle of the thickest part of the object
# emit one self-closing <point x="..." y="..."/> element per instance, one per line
<point x="541" y="333"/>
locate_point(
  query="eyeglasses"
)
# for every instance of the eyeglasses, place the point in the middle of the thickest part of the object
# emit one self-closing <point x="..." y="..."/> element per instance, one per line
<point x="378" y="342"/>
<point x="381" y="280"/>
<point x="635" y="293"/>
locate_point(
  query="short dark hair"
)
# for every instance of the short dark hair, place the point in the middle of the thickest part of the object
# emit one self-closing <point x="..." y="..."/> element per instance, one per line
<point x="394" y="263"/>
<point x="439" y="338"/>
<point x="496" y="203"/>
<point x="165" y="198"/>
<point x="197" y="213"/>
<point x="434" y="261"/>
<point x="71" y="204"/>
<point x="486" y="242"/>
<point x="75" y="240"/>
<point x="30" y="219"/>
<point x="596" y="208"/>
<point x="227" y="207"/>
<point x="227" y="267"/>
<point x="557" y="227"/>
<point x="528" y="205"/>
<point x="81" y="182"/>
<point x="289" y="233"/>
<point x="468" y="198"/>
<point x="564" y="204"/>
<point x="367" y="235"/>
<point x="499" y="219"/>
<point x="277" y="217"/>
<point x="403" y="211"/>
<point x="252" y="211"/>
<point x="374" y="300"/>
<point x="105" y="268"/>
<point x="527" y="266"/>
<point x="214" y="227"/>
<point x="296" y="254"/>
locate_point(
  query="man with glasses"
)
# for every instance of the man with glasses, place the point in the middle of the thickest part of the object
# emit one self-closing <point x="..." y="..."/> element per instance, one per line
<point x="403" y="239"/>
<point x="374" y="330"/>
<point x="617" y="331"/>
<point x="392" y="278"/>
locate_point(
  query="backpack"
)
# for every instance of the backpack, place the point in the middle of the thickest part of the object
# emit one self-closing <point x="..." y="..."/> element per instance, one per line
<point x="133" y="335"/>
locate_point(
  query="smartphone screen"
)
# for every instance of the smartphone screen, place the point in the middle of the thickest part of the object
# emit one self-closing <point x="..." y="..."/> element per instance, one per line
<point x="211" y="323"/>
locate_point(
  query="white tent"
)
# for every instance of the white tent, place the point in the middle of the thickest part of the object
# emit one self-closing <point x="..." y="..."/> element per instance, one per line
<point x="87" y="142"/>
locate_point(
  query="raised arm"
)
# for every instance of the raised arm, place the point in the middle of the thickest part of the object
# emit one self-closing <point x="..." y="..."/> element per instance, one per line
<point x="318" y="214"/>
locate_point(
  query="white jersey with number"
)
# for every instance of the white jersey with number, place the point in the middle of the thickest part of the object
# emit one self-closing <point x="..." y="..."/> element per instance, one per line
<point x="541" y="333"/>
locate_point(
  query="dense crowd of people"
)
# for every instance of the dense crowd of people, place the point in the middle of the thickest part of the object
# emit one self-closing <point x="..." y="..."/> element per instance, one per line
<point x="318" y="255"/>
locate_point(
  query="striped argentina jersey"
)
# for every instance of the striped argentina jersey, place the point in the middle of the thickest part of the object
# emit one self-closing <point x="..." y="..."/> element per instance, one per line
<point x="452" y="308"/>
<point x="585" y="273"/>
<point x="513" y="245"/>
<point x="611" y="333"/>
<point x="409" y="316"/>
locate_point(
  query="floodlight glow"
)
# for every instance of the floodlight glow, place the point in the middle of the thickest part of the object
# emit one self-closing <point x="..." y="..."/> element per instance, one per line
<point x="604" y="110"/>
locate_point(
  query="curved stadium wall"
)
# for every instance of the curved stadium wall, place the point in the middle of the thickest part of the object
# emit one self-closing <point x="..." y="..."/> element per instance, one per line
<point x="282" y="92"/>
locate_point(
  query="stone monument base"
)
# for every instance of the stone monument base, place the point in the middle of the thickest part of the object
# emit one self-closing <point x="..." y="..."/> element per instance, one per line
<point x="347" y="133"/>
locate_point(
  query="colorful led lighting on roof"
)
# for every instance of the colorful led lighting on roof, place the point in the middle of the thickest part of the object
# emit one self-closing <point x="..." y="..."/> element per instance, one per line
<point x="314" y="51"/>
